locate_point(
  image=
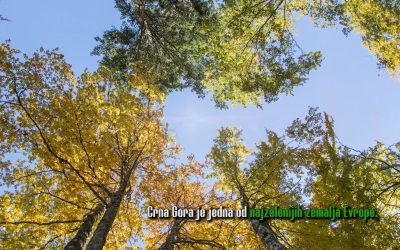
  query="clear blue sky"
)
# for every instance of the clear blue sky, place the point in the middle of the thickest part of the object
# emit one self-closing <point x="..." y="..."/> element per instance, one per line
<point x="363" y="100"/>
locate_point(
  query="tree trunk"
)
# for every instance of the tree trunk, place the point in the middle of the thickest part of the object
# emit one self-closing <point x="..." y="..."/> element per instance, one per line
<point x="100" y="234"/>
<point x="172" y="235"/>
<point x="266" y="234"/>
<point x="99" y="237"/>
<point x="85" y="229"/>
<point x="261" y="228"/>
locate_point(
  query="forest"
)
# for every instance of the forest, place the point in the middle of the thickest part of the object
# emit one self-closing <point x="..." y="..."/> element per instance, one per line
<point x="84" y="156"/>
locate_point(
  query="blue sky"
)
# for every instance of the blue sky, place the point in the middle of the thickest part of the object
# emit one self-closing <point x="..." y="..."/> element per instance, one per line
<point x="363" y="100"/>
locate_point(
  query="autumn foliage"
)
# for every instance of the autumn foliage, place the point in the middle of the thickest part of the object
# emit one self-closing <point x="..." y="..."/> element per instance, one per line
<point x="83" y="156"/>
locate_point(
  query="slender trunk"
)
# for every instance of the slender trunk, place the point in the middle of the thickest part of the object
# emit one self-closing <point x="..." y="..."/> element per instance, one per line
<point x="99" y="237"/>
<point x="261" y="228"/>
<point x="100" y="234"/>
<point x="103" y="228"/>
<point x="172" y="236"/>
<point x="266" y="234"/>
<point x="85" y="229"/>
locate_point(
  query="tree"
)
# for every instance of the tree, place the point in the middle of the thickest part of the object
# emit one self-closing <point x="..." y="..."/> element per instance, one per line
<point x="78" y="144"/>
<point x="183" y="186"/>
<point x="237" y="50"/>
<point x="343" y="176"/>
<point x="309" y="166"/>
<point x="265" y="182"/>
<point x="165" y="35"/>
<point x="186" y="186"/>
<point x="253" y="53"/>
<point x="243" y="52"/>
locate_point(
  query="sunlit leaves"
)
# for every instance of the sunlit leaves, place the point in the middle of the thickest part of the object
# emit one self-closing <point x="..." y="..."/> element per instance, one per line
<point x="75" y="139"/>
<point x="310" y="166"/>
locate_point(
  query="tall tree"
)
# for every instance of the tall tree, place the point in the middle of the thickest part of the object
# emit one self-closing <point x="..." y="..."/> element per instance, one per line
<point x="76" y="145"/>
<point x="265" y="182"/>
<point x="308" y="165"/>
<point x="343" y="176"/>
<point x="239" y="50"/>
<point x="166" y="35"/>
<point x="243" y="52"/>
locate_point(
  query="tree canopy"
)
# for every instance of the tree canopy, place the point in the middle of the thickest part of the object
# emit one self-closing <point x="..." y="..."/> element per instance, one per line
<point x="80" y="145"/>
<point x="243" y="52"/>
<point x="309" y="166"/>
<point x="83" y="156"/>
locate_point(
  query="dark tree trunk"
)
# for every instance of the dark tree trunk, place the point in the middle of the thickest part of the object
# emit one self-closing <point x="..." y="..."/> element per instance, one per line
<point x="79" y="240"/>
<point x="172" y="236"/>
<point x="100" y="234"/>
<point x="99" y="237"/>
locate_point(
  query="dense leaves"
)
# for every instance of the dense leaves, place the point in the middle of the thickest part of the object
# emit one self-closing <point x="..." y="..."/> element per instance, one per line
<point x="163" y="34"/>
<point x="81" y="156"/>
<point x="309" y="166"/>
<point x="70" y="144"/>
<point x="243" y="52"/>
<point x="240" y="51"/>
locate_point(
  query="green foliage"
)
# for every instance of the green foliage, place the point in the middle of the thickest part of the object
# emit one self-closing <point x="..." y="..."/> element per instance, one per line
<point x="238" y="51"/>
<point x="85" y="140"/>
<point x="243" y="52"/>
<point x="340" y="176"/>
<point x="165" y="35"/>
<point x="309" y="165"/>
<point x="253" y="54"/>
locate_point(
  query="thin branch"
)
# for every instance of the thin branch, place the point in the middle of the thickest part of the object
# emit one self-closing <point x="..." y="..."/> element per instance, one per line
<point x="39" y="223"/>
